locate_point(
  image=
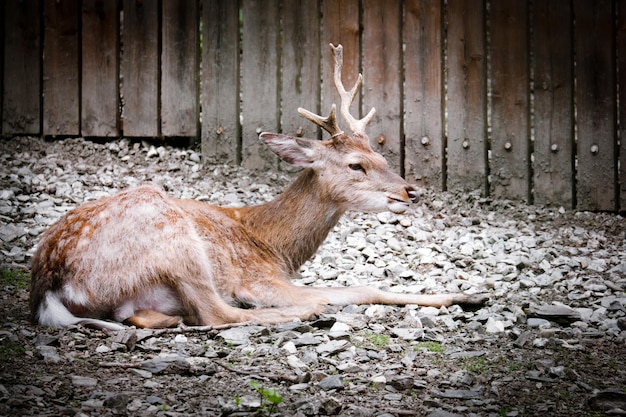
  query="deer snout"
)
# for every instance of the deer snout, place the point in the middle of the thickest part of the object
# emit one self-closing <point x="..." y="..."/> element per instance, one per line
<point x="412" y="193"/>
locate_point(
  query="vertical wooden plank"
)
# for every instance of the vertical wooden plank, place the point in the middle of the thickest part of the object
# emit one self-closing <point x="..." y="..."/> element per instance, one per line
<point x="423" y="94"/>
<point x="259" y="86"/>
<point x="21" y="95"/>
<point x="179" y="68"/>
<point x="466" y="96"/>
<point x="621" y="48"/>
<point x="61" y="76"/>
<point x="382" y="77"/>
<point x="595" y="104"/>
<point x="300" y="63"/>
<point x="2" y="44"/>
<point x="219" y="94"/>
<point x="510" y="150"/>
<point x="140" y="68"/>
<point x="340" y="25"/>
<point x="100" y="69"/>
<point x="553" y="151"/>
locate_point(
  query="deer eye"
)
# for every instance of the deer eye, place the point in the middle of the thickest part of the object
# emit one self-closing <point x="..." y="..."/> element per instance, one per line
<point x="356" y="167"/>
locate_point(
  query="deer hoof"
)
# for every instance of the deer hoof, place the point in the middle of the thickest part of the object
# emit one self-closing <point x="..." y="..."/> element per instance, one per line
<point x="471" y="300"/>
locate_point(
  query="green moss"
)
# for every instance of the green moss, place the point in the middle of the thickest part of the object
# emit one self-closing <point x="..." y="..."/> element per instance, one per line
<point x="430" y="346"/>
<point x="17" y="279"/>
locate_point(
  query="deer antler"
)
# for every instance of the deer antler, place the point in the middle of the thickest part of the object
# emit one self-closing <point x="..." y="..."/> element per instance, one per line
<point x="347" y="97"/>
<point x="328" y="123"/>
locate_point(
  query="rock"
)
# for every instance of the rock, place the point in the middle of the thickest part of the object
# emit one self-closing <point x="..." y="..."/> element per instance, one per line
<point x="457" y="394"/>
<point x="608" y="401"/>
<point x="333" y="382"/>
<point x="332" y="347"/>
<point x="239" y="335"/>
<point x="166" y="365"/>
<point x="83" y="381"/>
<point x="408" y="333"/>
<point x="558" y="313"/>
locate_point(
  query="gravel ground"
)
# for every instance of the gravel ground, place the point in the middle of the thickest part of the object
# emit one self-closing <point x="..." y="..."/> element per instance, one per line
<point x="551" y="340"/>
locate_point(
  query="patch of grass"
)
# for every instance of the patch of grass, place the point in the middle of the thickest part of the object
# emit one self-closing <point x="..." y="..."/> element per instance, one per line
<point x="17" y="279"/>
<point x="8" y="353"/>
<point x="477" y="365"/>
<point x="379" y="341"/>
<point x="430" y="346"/>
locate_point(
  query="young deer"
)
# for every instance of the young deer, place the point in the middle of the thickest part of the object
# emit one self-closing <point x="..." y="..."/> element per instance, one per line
<point x="149" y="260"/>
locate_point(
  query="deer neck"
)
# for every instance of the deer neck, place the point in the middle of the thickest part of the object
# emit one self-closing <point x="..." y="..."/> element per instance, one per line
<point x="296" y="223"/>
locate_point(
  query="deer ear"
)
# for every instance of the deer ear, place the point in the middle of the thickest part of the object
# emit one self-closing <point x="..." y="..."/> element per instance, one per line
<point x="296" y="151"/>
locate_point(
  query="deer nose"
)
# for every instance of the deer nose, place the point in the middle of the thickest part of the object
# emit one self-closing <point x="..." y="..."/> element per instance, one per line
<point x="412" y="193"/>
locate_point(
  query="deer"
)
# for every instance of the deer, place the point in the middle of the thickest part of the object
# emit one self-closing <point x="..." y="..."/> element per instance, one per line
<point x="142" y="258"/>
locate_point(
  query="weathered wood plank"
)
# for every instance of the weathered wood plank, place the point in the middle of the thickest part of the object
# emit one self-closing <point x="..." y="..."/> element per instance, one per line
<point x="382" y="74"/>
<point x="340" y="25"/>
<point x="21" y="95"/>
<point x="510" y="137"/>
<point x="100" y="69"/>
<point x="467" y="96"/>
<point x="259" y="86"/>
<point x="595" y="103"/>
<point x="300" y="66"/>
<point x="2" y="37"/>
<point x="621" y="53"/>
<point x="179" y="68"/>
<point x="553" y="173"/>
<point x="61" y="77"/>
<point x="140" y="68"/>
<point x="423" y="106"/>
<point x="219" y="93"/>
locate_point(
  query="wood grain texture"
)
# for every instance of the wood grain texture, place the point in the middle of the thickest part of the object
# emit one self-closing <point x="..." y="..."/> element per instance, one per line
<point x="621" y="48"/>
<point x="300" y="63"/>
<point x="219" y="92"/>
<point x="382" y="75"/>
<point x="180" y="113"/>
<point x="595" y="103"/>
<point x="21" y="92"/>
<point x="510" y="77"/>
<point x="340" y="25"/>
<point x="100" y="69"/>
<point x="140" y="68"/>
<point x="61" y="74"/>
<point x="260" y="83"/>
<point x="425" y="145"/>
<point x="466" y="96"/>
<point x="553" y="165"/>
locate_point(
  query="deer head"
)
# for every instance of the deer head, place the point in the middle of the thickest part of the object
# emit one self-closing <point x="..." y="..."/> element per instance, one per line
<point x="347" y="168"/>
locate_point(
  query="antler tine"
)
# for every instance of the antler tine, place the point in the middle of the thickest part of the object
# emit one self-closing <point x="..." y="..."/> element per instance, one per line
<point x="328" y="123"/>
<point x="347" y="97"/>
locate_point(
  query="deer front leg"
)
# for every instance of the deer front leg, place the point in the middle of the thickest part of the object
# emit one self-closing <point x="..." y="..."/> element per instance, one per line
<point x="370" y="295"/>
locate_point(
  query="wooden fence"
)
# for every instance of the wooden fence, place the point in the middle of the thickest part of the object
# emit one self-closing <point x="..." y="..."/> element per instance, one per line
<point x="519" y="99"/>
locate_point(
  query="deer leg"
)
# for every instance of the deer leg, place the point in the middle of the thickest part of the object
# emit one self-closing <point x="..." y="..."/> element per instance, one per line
<point x="370" y="295"/>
